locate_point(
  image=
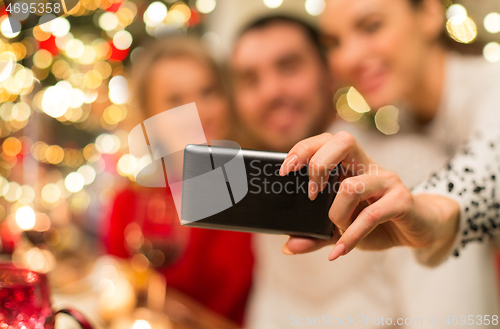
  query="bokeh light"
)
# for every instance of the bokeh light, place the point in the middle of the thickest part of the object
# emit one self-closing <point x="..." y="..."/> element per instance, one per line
<point x="273" y="3"/>
<point x="491" y="52"/>
<point x="108" y="21"/>
<point x="51" y="193"/>
<point x="315" y="7"/>
<point x="122" y="40"/>
<point x="492" y="23"/>
<point x="118" y="90"/>
<point x="9" y="25"/>
<point x="462" y="29"/>
<point x="205" y="6"/>
<point x="25" y="218"/>
<point x="356" y="101"/>
<point x="74" y="182"/>
<point x="56" y="100"/>
<point x="386" y="120"/>
<point x="155" y="14"/>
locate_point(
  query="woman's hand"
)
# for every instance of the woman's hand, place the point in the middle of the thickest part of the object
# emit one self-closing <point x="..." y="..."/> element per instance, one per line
<point x="373" y="210"/>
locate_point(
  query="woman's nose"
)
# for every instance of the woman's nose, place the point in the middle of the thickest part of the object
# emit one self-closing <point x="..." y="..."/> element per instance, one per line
<point x="347" y="59"/>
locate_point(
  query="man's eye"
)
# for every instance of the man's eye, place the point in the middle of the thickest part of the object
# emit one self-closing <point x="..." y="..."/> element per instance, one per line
<point x="372" y="27"/>
<point x="289" y="68"/>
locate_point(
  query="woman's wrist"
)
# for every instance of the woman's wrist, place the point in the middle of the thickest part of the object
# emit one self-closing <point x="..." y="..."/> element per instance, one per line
<point x="440" y="215"/>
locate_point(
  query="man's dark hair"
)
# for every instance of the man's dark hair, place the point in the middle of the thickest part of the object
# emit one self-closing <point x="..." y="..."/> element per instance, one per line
<point x="310" y="32"/>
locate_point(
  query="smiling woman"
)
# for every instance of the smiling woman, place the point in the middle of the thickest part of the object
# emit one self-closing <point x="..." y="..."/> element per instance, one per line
<point x="390" y="51"/>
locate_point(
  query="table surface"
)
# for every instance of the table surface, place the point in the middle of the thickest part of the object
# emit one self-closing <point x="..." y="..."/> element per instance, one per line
<point x="183" y="311"/>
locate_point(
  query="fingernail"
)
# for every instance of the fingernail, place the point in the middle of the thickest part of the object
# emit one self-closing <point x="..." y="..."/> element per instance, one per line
<point x="288" y="164"/>
<point x="286" y="251"/>
<point x="313" y="190"/>
<point x="337" y="251"/>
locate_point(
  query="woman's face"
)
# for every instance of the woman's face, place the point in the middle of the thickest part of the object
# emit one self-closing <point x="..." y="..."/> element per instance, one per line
<point x="182" y="80"/>
<point x="380" y="46"/>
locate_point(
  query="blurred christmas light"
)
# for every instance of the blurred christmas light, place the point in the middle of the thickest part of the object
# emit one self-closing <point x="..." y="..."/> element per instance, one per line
<point x="492" y="23"/>
<point x="57" y="26"/>
<point x="21" y="111"/>
<point x="88" y="56"/>
<point x="492" y="52"/>
<point x="60" y="27"/>
<point x="103" y="68"/>
<point x="122" y="40"/>
<point x="12" y="146"/>
<point x="51" y="193"/>
<point x="74" y="48"/>
<point x="9" y="25"/>
<point x="12" y="192"/>
<point x="74" y="182"/>
<point x="156" y="13"/>
<point x="77" y="98"/>
<point x="386" y="120"/>
<point x="107" y="143"/>
<point x="54" y="154"/>
<point x="25" y="218"/>
<point x="315" y="7"/>
<point x="56" y="100"/>
<point x="182" y="9"/>
<point x="7" y="62"/>
<point x="108" y="21"/>
<point x="456" y="10"/>
<point x="91" y="153"/>
<point x="127" y="165"/>
<point x="273" y="3"/>
<point x="42" y="59"/>
<point x="88" y="173"/>
<point x="118" y="90"/>
<point x="462" y="29"/>
<point x="39" y="34"/>
<point x="61" y="42"/>
<point x="42" y="222"/>
<point x="92" y="79"/>
<point x="27" y="194"/>
<point x="356" y="101"/>
<point x="205" y="6"/>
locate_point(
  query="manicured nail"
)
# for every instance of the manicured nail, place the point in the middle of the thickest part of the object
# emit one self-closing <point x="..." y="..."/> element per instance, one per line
<point x="288" y="165"/>
<point x="286" y="251"/>
<point x="313" y="190"/>
<point x="337" y="251"/>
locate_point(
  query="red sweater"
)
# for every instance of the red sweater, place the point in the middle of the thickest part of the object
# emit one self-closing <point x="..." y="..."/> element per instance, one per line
<point x="215" y="267"/>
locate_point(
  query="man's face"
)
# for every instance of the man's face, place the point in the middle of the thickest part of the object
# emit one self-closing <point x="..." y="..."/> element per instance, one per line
<point x="282" y="89"/>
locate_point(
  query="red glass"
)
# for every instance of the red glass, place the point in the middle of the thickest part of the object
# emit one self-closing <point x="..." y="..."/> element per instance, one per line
<point x="25" y="300"/>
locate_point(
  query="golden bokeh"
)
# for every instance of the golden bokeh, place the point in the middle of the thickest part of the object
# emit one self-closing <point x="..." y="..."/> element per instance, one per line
<point x="54" y="154"/>
<point x="12" y="146"/>
<point x="462" y="29"/>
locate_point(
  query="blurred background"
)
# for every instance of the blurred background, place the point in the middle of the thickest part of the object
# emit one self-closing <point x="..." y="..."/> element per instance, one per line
<point x="66" y="109"/>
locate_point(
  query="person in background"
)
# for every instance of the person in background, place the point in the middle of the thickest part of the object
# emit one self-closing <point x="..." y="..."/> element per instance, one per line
<point x="213" y="267"/>
<point x="302" y="287"/>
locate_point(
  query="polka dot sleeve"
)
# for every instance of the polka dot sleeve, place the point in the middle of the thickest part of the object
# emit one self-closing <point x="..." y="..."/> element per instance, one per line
<point x="472" y="178"/>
